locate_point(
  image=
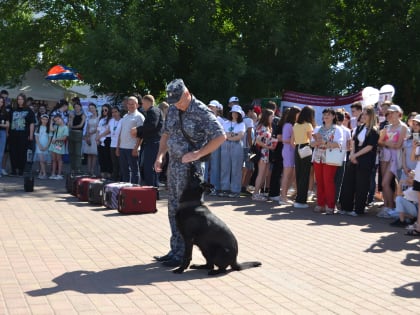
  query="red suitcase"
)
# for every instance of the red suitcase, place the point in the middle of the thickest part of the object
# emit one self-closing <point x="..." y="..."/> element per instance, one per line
<point x="83" y="188"/>
<point x="141" y="199"/>
<point x="72" y="183"/>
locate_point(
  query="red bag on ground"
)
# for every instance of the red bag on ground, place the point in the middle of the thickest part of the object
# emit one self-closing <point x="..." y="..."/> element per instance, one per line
<point x="137" y="199"/>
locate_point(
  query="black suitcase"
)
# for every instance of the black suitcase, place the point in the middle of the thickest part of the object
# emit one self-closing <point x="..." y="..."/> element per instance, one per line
<point x="69" y="182"/>
<point x="96" y="188"/>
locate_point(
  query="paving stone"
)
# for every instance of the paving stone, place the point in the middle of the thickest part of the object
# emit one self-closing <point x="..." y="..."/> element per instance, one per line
<point x="62" y="256"/>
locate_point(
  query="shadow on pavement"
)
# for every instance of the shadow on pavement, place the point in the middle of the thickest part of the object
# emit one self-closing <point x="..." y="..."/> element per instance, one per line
<point x="412" y="259"/>
<point x="394" y="242"/>
<point x="115" y="281"/>
<point x="410" y="290"/>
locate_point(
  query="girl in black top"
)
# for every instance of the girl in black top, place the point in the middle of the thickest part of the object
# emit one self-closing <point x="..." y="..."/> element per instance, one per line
<point x="360" y="165"/>
<point x="76" y="124"/>
<point x="21" y="134"/>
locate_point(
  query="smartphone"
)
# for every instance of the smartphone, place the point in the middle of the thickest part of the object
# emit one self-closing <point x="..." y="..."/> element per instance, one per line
<point x="416" y="136"/>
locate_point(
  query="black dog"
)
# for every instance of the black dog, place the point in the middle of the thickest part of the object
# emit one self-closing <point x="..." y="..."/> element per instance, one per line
<point x="199" y="226"/>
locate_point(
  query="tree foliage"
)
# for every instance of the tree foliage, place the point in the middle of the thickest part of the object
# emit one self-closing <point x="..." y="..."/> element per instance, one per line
<point x="220" y="48"/>
<point x="377" y="42"/>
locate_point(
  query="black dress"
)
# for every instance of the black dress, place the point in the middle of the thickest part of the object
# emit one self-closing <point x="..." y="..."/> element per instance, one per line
<point x="357" y="177"/>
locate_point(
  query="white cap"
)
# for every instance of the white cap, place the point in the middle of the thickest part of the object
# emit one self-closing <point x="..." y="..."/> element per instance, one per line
<point x="394" y="108"/>
<point x="233" y="99"/>
<point x="216" y="104"/>
<point x="417" y="118"/>
<point x="237" y="109"/>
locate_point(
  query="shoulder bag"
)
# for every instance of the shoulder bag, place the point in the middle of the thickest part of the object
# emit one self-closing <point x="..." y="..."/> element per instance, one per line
<point x="304" y="151"/>
<point x="335" y="157"/>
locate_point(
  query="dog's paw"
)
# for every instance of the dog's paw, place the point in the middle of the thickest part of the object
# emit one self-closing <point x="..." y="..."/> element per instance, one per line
<point x="201" y="267"/>
<point x="178" y="270"/>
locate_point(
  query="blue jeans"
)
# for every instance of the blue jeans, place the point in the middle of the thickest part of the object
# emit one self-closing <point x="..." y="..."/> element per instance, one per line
<point x="231" y="168"/>
<point x="2" y="143"/>
<point x="405" y="206"/>
<point x="129" y="166"/>
<point x="215" y="168"/>
<point x="149" y="151"/>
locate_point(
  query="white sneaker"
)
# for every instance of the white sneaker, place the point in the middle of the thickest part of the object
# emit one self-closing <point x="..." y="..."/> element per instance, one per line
<point x="291" y="192"/>
<point x="59" y="177"/>
<point x="52" y="176"/>
<point x="311" y="195"/>
<point x="284" y="202"/>
<point x="3" y="172"/>
<point x="300" y="205"/>
<point x="258" y="197"/>
<point x="353" y="214"/>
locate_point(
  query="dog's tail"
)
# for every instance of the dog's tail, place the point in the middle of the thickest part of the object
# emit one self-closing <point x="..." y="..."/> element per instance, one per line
<point x="245" y="265"/>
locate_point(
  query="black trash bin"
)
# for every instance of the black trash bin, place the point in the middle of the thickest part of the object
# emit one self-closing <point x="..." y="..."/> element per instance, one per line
<point x="28" y="175"/>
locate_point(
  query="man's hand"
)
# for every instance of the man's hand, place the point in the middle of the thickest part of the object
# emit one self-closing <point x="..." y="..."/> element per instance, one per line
<point x="158" y="165"/>
<point x="191" y="157"/>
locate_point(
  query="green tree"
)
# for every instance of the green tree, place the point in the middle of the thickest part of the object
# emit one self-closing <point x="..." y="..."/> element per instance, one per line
<point x="286" y="46"/>
<point x="377" y="43"/>
<point x="220" y="48"/>
<point x="19" y="40"/>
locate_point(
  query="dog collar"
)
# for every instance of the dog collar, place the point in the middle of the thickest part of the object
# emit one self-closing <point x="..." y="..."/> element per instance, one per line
<point x="192" y="203"/>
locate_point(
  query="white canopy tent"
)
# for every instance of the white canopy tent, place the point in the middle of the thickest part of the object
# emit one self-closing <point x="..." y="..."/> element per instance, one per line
<point x="36" y="86"/>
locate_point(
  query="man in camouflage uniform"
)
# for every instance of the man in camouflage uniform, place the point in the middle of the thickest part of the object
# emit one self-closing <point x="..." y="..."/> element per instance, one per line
<point x="206" y="133"/>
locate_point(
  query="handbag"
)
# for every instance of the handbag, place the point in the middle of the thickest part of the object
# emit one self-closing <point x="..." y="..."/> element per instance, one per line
<point x="304" y="151"/>
<point x="335" y="157"/>
<point x="254" y="153"/>
<point x="190" y="141"/>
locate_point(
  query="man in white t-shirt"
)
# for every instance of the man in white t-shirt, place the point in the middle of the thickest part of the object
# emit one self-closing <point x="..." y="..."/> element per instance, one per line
<point x="128" y="147"/>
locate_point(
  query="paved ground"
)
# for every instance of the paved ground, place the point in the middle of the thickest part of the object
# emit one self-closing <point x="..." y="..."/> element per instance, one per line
<point x="61" y="256"/>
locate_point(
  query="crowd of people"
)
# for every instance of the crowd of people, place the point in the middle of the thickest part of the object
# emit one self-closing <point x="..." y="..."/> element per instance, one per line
<point x="377" y="151"/>
<point x="268" y="154"/>
<point x="116" y="142"/>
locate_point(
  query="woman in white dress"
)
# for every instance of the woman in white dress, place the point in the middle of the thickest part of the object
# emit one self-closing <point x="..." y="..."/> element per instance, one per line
<point x="90" y="146"/>
<point x="43" y="139"/>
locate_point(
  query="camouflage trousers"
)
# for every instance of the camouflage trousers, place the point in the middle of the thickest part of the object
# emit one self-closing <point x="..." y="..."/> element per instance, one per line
<point x="177" y="180"/>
